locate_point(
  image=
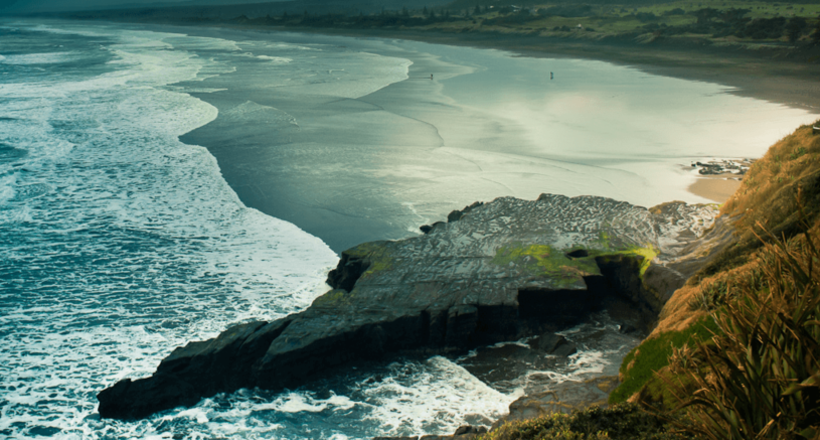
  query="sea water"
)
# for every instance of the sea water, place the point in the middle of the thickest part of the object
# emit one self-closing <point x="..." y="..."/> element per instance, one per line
<point x="119" y="242"/>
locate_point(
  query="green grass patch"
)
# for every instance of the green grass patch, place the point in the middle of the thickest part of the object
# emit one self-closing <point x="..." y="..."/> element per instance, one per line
<point x="653" y="354"/>
<point x="607" y="245"/>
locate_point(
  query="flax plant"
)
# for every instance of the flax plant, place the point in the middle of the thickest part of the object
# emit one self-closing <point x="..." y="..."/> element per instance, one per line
<point x="759" y="377"/>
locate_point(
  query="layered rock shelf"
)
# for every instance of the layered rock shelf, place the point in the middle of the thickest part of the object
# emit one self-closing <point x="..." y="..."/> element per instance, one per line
<point x="494" y="272"/>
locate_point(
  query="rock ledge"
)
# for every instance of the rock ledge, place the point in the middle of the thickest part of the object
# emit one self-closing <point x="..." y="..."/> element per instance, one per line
<point x="495" y="272"/>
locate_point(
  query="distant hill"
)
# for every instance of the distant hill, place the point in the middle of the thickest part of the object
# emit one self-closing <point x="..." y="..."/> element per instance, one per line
<point x="208" y="9"/>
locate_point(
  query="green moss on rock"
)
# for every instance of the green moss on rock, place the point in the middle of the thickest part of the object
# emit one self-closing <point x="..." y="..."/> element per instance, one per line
<point x="545" y="261"/>
<point x="375" y="254"/>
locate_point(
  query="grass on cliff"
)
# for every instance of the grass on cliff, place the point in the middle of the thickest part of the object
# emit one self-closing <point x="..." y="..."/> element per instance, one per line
<point x="619" y="422"/>
<point x="760" y="375"/>
<point x="654" y="354"/>
<point x="768" y="197"/>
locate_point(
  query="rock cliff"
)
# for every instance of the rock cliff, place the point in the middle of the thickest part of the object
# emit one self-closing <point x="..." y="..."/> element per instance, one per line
<point x="494" y="272"/>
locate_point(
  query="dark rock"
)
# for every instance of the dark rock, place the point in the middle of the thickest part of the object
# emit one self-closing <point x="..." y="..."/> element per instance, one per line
<point x="200" y="368"/>
<point x="554" y="344"/>
<point x="711" y="170"/>
<point x="664" y="281"/>
<point x="456" y="215"/>
<point x="468" y="429"/>
<point x="563" y="398"/>
<point x="348" y="271"/>
<point x="578" y="253"/>
<point x="497" y="274"/>
<point x="430" y="228"/>
<point x="407" y="437"/>
<point x="465" y="432"/>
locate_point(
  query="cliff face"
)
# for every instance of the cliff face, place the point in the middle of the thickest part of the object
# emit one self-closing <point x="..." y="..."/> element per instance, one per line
<point x="779" y="198"/>
<point x="495" y="272"/>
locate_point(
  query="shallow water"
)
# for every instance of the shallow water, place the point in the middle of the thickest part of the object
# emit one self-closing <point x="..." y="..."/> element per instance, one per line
<point x="119" y="242"/>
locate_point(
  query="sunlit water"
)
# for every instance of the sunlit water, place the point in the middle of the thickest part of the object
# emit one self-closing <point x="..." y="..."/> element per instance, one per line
<point x="118" y="242"/>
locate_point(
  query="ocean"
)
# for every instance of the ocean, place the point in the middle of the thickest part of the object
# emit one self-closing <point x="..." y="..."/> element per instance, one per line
<point x="159" y="184"/>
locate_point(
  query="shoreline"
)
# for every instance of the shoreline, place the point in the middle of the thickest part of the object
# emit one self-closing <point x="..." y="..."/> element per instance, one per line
<point x="343" y="225"/>
<point x="751" y="75"/>
<point x="750" y="71"/>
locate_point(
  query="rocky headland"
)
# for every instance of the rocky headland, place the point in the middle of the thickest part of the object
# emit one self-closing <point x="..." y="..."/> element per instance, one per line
<point x="494" y="272"/>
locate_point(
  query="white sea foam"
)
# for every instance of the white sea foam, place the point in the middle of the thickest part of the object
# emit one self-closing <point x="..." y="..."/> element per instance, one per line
<point x="275" y="60"/>
<point x="434" y="396"/>
<point x="305" y="402"/>
<point x="41" y="58"/>
<point x="121" y="242"/>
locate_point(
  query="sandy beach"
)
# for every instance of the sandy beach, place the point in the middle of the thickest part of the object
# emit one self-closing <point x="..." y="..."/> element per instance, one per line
<point x="716" y="188"/>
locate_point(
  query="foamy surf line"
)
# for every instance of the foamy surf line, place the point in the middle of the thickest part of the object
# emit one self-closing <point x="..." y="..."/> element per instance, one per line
<point x="134" y="244"/>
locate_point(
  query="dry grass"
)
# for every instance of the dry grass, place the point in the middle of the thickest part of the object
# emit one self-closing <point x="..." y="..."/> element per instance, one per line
<point x="767" y="199"/>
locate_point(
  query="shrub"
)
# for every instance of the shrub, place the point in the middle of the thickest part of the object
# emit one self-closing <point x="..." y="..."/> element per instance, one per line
<point x="760" y="378"/>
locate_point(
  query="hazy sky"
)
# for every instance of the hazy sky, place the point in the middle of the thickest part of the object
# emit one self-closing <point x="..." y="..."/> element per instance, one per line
<point x="61" y="5"/>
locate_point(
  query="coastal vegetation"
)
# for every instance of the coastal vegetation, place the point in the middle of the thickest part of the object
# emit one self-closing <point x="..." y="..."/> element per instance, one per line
<point x="755" y="368"/>
<point x="636" y="371"/>
<point x="722" y="23"/>
<point x="759" y="375"/>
